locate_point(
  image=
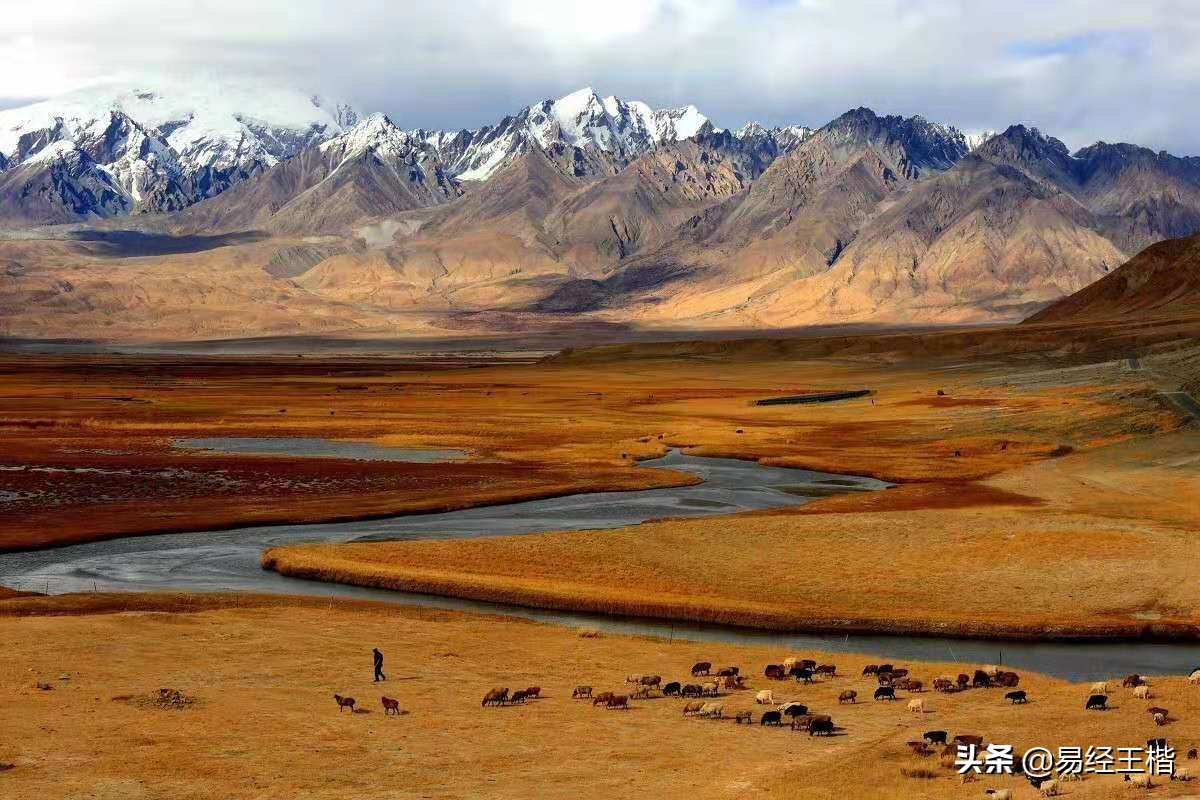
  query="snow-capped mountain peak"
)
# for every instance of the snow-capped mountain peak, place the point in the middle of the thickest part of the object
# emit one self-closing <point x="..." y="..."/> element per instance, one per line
<point x="167" y="145"/>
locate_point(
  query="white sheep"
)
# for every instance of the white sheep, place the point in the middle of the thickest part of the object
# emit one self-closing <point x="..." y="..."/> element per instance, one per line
<point x="1194" y="678"/>
<point x="1049" y="789"/>
<point x="788" y="663"/>
<point x="991" y="669"/>
<point x="916" y="706"/>
<point x="713" y="710"/>
<point x="1142" y="692"/>
<point x="1141" y="780"/>
<point x="634" y="678"/>
<point x="999" y="794"/>
<point x="765" y="698"/>
<point x="1099" y="687"/>
<point x="710" y="688"/>
<point x="1070" y="777"/>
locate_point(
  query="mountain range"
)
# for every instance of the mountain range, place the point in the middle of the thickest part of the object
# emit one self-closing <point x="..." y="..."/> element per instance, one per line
<point x="581" y="208"/>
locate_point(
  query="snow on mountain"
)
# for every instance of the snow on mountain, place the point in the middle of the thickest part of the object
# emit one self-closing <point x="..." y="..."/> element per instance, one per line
<point x="622" y="130"/>
<point x="168" y="145"/>
<point x="976" y="138"/>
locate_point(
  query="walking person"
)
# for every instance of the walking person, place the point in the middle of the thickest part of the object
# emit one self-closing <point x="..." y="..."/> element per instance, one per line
<point x="379" y="676"/>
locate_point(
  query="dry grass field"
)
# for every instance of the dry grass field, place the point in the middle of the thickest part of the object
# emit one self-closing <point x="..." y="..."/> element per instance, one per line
<point x="264" y="724"/>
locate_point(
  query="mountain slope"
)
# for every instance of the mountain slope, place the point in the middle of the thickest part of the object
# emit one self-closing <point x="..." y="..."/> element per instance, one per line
<point x="1163" y="279"/>
<point x="160" y="148"/>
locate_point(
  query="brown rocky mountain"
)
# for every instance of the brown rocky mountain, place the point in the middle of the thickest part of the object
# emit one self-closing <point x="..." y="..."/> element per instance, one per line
<point x="1163" y="279"/>
<point x="870" y="219"/>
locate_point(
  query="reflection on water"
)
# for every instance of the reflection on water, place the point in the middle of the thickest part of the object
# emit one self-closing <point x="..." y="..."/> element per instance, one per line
<point x="313" y="447"/>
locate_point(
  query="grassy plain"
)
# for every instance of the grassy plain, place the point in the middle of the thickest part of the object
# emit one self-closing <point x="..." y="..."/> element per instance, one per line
<point x="264" y="723"/>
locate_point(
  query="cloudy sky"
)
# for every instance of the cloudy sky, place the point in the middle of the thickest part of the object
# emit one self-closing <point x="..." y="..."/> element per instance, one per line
<point x="1080" y="69"/>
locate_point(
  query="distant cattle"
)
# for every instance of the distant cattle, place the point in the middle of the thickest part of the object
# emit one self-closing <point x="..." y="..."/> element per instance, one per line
<point x="581" y="691"/>
<point x="808" y="663"/>
<point x="981" y="680"/>
<point x="826" y="669"/>
<point x="725" y="672"/>
<point x="496" y="697"/>
<point x="348" y="702"/>
<point x="943" y="684"/>
<point x="651" y="680"/>
<point x="642" y="692"/>
<point x="1097" y="702"/>
<point x="701" y="667"/>
<point x="517" y="697"/>
<point x="870" y="669"/>
<point x="820" y="726"/>
<point x="533" y="692"/>
<point x="1132" y="680"/>
<point x="793" y="710"/>
<point x="602" y="698"/>
<point x="962" y="680"/>
<point x="968" y="739"/>
<point x="634" y="678"/>
<point x="935" y="737"/>
<point x="848" y="696"/>
<point x="733" y="682"/>
<point x="617" y="701"/>
<point x="802" y="674"/>
<point x="885" y="693"/>
<point x="775" y="672"/>
<point x="1018" y="696"/>
<point x="691" y="690"/>
<point x="910" y="685"/>
<point x="885" y="668"/>
<point x="1008" y="680"/>
<point x="672" y="688"/>
<point x="898" y="672"/>
<point x="390" y="705"/>
<point x="771" y="718"/>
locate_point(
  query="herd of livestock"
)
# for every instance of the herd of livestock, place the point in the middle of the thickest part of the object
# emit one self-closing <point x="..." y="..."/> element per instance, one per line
<point x="706" y="684"/>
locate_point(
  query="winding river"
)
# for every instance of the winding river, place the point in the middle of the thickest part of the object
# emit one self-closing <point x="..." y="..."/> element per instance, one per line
<point x="229" y="560"/>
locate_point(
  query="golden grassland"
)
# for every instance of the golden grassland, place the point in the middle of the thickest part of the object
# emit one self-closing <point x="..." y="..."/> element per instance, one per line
<point x="264" y="723"/>
<point x="1034" y="501"/>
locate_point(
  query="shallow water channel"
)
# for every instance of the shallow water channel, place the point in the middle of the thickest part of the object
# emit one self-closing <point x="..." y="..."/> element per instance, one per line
<point x="229" y="560"/>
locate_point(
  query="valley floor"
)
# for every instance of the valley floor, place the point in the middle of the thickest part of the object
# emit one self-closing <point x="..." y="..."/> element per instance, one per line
<point x="263" y="724"/>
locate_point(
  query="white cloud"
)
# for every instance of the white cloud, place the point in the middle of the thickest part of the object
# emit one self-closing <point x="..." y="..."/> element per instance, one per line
<point x="1081" y="69"/>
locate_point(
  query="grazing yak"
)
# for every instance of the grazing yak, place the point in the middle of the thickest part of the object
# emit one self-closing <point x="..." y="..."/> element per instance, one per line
<point x="1008" y="680"/>
<point x="517" y="697"/>
<point x="744" y="716"/>
<point x="775" y="672"/>
<point x="870" y="669"/>
<point x="848" y="696"/>
<point x="884" y="668"/>
<point x="1097" y="702"/>
<point x="771" y="718"/>
<point x="602" y="698"/>
<point x="793" y="710"/>
<point x="967" y="739"/>
<point x="651" y="680"/>
<point x="642" y="692"/>
<point x="802" y="674"/>
<point x="1132" y="681"/>
<point x="1160" y="719"/>
<point x="826" y="669"/>
<point x="943" y="684"/>
<point x="672" y="688"/>
<point x="885" y="693"/>
<point x="348" y="702"/>
<point x="808" y="663"/>
<point x="581" y="691"/>
<point x="820" y="726"/>
<point x="390" y="705"/>
<point x="728" y="672"/>
<point x="935" y="737"/>
<point x="765" y="698"/>
<point x="962" y="680"/>
<point x="1152" y="710"/>
<point x="701" y="668"/>
<point x="617" y="701"/>
<point x="981" y="680"/>
<point x="496" y="697"/>
<point x="733" y="682"/>
<point x="691" y="690"/>
<point x="1018" y="696"/>
<point x="910" y="685"/>
<point x="533" y="692"/>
